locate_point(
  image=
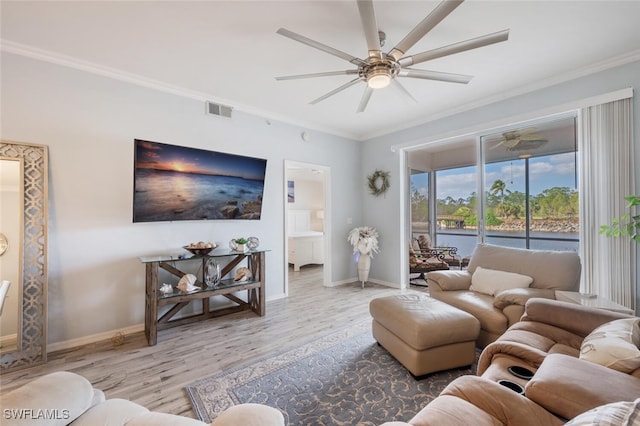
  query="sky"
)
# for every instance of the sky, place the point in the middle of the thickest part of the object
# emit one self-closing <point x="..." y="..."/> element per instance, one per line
<point x="545" y="172"/>
<point x="159" y="156"/>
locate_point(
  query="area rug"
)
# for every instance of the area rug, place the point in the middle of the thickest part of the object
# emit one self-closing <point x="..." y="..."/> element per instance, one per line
<point x="343" y="378"/>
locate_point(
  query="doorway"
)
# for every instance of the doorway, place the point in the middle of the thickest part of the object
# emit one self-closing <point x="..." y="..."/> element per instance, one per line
<point x="307" y="224"/>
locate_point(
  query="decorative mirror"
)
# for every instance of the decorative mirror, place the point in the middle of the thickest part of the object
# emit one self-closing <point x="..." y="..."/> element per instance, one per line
<point x="23" y="189"/>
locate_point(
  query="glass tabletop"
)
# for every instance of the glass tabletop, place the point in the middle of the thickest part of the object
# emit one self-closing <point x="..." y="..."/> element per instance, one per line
<point x="185" y="255"/>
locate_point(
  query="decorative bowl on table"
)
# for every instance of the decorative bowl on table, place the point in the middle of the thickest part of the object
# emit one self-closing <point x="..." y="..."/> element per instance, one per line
<point x="200" y="248"/>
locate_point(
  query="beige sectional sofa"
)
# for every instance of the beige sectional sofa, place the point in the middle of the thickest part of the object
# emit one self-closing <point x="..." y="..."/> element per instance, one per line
<point x="499" y="281"/>
<point x="63" y="398"/>
<point x="579" y="373"/>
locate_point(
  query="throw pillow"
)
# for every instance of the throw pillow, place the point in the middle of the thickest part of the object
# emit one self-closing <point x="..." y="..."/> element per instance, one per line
<point x="614" y="414"/>
<point x="614" y="345"/>
<point x="492" y="282"/>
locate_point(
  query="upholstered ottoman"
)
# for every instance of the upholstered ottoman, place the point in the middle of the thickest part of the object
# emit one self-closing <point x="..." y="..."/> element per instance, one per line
<point x="423" y="334"/>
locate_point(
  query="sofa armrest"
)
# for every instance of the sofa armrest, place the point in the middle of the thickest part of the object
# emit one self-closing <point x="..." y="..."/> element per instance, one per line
<point x="64" y="393"/>
<point x="249" y="414"/>
<point x="577" y="319"/>
<point x="448" y="280"/>
<point x="484" y="401"/>
<point x="568" y="386"/>
<point x="520" y="296"/>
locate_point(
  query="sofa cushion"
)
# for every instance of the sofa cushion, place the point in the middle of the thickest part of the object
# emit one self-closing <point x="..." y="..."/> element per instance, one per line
<point x="577" y="319"/>
<point x="491" y="281"/>
<point x="614" y="414"/>
<point x="549" y="269"/>
<point x="614" y="345"/>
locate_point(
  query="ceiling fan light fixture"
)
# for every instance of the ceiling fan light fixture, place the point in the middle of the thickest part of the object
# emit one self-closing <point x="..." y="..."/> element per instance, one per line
<point x="378" y="79"/>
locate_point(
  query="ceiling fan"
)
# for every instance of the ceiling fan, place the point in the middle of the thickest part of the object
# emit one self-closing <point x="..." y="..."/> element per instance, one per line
<point x="380" y="69"/>
<point x="519" y="140"/>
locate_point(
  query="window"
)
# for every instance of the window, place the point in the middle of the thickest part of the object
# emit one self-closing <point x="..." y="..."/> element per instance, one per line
<point x="530" y="187"/>
<point x="420" y="221"/>
<point x="456" y="211"/>
<point x="520" y="190"/>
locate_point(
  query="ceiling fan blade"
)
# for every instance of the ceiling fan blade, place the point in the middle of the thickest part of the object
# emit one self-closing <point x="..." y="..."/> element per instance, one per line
<point x="330" y="50"/>
<point x="334" y="91"/>
<point x="317" y="74"/>
<point x="370" y="26"/>
<point x="426" y="25"/>
<point x="451" y="49"/>
<point x="365" y="99"/>
<point x="401" y="89"/>
<point x="435" y="75"/>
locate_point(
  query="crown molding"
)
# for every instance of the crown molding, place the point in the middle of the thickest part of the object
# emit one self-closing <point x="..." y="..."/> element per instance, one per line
<point x="610" y="63"/>
<point x="138" y="80"/>
<point x="116" y="74"/>
<point x="93" y="68"/>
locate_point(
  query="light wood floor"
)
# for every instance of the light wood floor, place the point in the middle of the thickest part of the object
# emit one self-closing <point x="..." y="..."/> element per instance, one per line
<point x="155" y="376"/>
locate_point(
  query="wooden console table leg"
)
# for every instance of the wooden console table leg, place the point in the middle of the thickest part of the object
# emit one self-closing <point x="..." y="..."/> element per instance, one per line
<point x="261" y="304"/>
<point x="256" y="296"/>
<point x="151" y="304"/>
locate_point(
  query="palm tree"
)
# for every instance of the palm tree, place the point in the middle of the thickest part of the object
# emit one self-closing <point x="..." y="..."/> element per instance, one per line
<point x="498" y="187"/>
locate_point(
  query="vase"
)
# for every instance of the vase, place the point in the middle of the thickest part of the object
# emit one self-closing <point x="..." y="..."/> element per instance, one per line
<point x="212" y="273"/>
<point x="364" y="263"/>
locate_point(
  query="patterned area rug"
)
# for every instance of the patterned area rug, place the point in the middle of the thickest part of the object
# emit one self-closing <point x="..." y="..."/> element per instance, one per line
<point x="343" y="378"/>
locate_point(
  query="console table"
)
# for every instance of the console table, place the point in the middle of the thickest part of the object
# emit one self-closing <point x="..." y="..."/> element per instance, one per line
<point x="155" y="298"/>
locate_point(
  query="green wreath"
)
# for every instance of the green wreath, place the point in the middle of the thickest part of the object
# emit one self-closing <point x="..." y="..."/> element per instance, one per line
<point x="378" y="182"/>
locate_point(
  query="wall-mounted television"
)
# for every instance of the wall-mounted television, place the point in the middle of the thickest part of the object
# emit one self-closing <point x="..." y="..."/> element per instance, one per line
<point x="173" y="183"/>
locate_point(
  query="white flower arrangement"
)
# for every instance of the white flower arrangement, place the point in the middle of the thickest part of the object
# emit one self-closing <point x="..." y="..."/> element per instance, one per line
<point x="364" y="239"/>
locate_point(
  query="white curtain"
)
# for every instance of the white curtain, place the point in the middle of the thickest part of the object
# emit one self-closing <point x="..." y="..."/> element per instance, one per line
<point x="606" y="161"/>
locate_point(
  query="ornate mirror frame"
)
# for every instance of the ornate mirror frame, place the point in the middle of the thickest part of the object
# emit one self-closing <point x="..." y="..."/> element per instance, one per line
<point x="32" y="347"/>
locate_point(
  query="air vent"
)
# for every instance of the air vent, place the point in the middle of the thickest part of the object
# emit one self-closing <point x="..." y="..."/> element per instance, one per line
<point x="217" y="109"/>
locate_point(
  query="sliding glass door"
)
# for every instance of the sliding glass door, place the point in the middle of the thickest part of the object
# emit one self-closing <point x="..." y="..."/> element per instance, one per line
<point x="516" y="187"/>
<point x="530" y="187"/>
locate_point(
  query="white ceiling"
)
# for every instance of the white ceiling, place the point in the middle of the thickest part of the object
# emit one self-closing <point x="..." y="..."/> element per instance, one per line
<point x="229" y="52"/>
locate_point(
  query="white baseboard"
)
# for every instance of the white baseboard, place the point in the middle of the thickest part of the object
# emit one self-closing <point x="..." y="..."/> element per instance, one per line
<point x="384" y="283"/>
<point x="342" y="282"/>
<point x="276" y="297"/>
<point x="94" y="338"/>
<point x="371" y="280"/>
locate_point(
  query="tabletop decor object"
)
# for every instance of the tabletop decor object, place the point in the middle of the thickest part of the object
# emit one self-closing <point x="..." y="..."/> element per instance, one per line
<point x="253" y="243"/>
<point x="212" y="274"/>
<point x="238" y="244"/>
<point x="200" y="248"/>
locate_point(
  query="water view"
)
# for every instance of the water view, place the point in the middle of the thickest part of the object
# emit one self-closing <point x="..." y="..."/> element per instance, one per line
<point x="167" y="196"/>
<point x="466" y="241"/>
